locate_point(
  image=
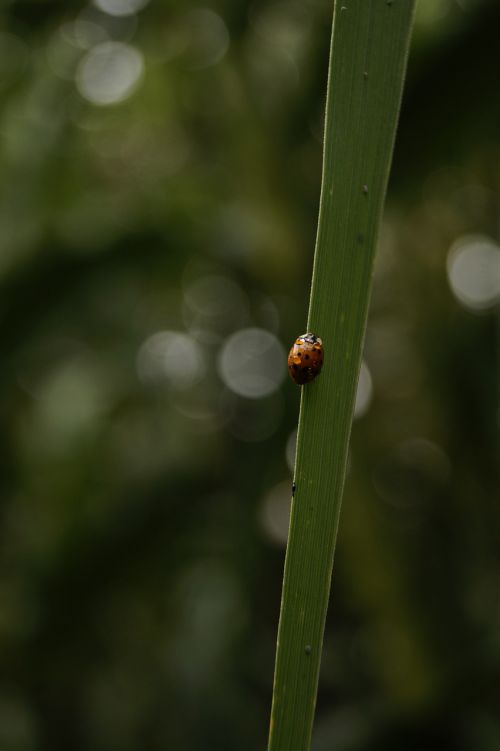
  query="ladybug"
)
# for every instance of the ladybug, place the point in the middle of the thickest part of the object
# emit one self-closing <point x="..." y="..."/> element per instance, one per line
<point x="305" y="358"/>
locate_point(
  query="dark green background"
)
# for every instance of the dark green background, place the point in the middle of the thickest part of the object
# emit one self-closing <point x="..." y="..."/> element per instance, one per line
<point x="139" y="586"/>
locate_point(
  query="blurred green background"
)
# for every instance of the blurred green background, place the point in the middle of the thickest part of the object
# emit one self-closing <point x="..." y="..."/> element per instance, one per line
<point x="161" y="173"/>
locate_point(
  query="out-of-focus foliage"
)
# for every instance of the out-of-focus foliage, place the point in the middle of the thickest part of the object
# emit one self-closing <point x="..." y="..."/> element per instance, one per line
<point x="161" y="171"/>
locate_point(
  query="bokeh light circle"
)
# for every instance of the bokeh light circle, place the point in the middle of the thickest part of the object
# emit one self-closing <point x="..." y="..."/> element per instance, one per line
<point x="120" y="7"/>
<point x="215" y="302"/>
<point x="252" y="363"/>
<point x="208" y="38"/>
<point x="275" y="512"/>
<point x="473" y="266"/>
<point x="109" y="73"/>
<point x="173" y="357"/>
<point x="364" y="392"/>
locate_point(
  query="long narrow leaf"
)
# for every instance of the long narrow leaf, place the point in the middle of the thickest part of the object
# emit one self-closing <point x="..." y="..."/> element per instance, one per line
<point x="370" y="41"/>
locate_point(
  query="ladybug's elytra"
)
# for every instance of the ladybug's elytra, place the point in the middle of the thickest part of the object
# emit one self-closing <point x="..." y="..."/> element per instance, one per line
<point x="305" y="358"/>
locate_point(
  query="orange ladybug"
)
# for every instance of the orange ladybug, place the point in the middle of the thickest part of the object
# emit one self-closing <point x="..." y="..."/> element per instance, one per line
<point x="305" y="358"/>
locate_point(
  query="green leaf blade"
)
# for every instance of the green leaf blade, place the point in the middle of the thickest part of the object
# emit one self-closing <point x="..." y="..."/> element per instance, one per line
<point x="370" y="42"/>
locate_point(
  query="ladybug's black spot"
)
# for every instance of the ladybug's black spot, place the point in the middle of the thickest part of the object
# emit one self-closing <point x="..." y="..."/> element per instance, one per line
<point x="307" y="357"/>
